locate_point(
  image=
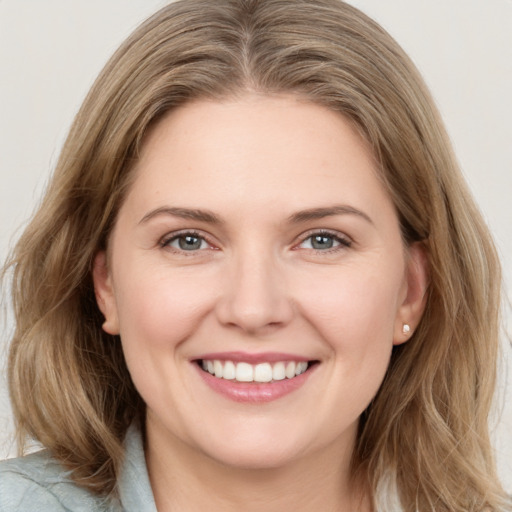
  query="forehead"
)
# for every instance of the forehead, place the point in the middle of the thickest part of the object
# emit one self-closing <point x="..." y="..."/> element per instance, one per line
<point x="256" y="150"/>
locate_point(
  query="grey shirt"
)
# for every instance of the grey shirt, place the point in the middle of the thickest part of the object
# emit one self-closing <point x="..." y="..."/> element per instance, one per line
<point x="38" y="483"/>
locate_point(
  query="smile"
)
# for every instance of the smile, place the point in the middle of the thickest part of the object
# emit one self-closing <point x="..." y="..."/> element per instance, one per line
<point x="254" y="378"/>
<point x="246" y="372"/>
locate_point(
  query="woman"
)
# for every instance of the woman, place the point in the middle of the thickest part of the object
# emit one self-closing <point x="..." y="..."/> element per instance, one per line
<point x="257" y="280"/>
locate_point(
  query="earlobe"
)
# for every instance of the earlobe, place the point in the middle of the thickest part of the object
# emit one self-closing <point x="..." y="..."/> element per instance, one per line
<point x="415" y="297"/>
<point x="105" y="293"/>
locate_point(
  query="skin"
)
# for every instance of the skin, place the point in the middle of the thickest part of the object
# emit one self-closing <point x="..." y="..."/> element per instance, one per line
<point x="256" y="284"/>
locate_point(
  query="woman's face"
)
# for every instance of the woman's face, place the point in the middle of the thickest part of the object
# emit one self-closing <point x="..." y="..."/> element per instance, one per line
<point x="257" y="243"/>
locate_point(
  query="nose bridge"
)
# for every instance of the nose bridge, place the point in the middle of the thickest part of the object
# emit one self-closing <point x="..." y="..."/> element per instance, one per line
<point x="255" y="294"/>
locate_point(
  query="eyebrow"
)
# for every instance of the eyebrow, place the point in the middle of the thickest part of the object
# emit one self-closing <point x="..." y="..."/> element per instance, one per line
<point x="184" y="213"/>
<point x="320" y="213"/>
<point x="296" y="218"/>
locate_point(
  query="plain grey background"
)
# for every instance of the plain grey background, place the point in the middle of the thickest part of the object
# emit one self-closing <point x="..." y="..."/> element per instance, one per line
<point x="51" y="51"/>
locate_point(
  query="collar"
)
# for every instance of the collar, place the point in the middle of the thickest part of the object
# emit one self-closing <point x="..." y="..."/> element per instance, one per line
<point x="134" y="488"/>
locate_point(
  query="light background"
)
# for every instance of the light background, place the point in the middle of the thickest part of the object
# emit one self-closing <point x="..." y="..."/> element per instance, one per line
<point x="51" y="51"/>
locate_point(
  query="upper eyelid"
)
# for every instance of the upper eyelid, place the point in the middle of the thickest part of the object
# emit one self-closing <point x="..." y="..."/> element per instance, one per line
<point x="173" y="235"/>
<point x="328" y="232"/>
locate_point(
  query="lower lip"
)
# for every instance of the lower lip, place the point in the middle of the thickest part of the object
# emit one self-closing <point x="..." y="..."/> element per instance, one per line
<point x="254" y="392"/>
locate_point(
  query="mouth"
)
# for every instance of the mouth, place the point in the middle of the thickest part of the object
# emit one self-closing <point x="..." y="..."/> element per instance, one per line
<point x="254" y="378"/>
<point x="263" y="372"/>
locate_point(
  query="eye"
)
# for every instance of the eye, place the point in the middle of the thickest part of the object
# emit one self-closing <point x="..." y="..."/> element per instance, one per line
<point x="324" y="241"/>
<point x="186" y="242"/>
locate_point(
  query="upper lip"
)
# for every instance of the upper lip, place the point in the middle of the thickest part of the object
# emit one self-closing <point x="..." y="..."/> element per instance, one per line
<point x="252" y="358"/>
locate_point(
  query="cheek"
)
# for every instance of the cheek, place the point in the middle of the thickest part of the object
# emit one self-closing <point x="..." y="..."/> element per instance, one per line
<point x="353" y="312"/>
<point x="158" y="310"/>
<point x="356" y="321"/>
<point x="354" y="309"/>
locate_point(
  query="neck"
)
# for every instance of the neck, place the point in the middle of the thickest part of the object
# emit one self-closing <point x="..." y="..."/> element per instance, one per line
<point x="184" y="479"/>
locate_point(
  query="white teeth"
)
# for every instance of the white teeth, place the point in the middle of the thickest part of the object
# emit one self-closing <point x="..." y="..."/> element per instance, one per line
<point x="278" y="372"/>
<point x="290" y="370"/>
<point x="301" y="368"/>
<point x="262" y="372"/>
<point x="217" y="368"/>
<point x="229" y="370"/>
<point x="244" y="372"/>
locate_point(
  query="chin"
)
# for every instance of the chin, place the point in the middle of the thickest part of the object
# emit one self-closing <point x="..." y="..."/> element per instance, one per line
<point x="260" y="443"/>
<point x="258" y="456"/>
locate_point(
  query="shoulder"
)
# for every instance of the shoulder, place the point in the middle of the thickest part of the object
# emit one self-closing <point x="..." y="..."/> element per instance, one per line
<point x="38" y="483"/>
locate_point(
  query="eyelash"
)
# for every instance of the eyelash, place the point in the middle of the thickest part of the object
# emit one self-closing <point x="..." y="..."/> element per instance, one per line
<point x="342" y="240"/>
<point x="168" y="239"/>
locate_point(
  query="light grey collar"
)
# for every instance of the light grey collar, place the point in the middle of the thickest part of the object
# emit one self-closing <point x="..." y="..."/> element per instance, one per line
<point x="134" y="487"/>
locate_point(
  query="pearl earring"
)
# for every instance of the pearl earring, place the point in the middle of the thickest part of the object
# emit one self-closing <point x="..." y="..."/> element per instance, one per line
<point x="406" y="329"/>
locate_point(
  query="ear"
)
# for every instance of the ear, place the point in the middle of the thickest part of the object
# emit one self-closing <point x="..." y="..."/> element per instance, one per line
<point x="414" y="295"/>
<point x="104" y="291"/>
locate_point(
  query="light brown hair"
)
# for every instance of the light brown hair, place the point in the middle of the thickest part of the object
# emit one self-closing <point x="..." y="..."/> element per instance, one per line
<point x="426" y="431"/>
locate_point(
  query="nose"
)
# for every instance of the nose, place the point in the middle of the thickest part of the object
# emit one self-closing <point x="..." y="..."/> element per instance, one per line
<point x="254" y="297"/>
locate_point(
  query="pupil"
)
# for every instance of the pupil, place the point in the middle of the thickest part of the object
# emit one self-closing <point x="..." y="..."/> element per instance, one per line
<point x="189" y="243"/>
<point x="322" y="242"/>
